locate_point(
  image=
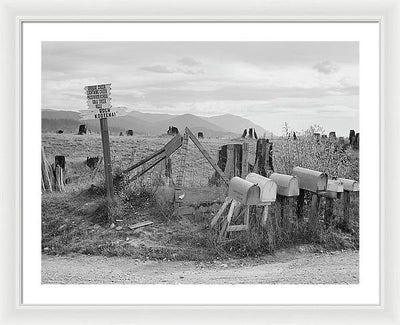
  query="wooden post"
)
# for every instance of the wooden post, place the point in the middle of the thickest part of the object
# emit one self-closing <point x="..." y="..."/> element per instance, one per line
<point x="314" y="216"/>
<point x="328" y="215"/>
<point x="245" y="159"/>
<point x="46" y="176"/>
<point x="286" y="214"/>
<point x="105" y="139"/>
<point x="300" y="204"/>
<point x="59" y="179"/>
<point x="346" y="205"/>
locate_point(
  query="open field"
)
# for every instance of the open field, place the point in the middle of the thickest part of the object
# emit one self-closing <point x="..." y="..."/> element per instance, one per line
<point x="75" y="221"/>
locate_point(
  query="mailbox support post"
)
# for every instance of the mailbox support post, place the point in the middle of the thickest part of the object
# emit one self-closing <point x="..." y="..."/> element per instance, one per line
<point x="346" y="204"/>
<point x="328" y="215"/>
<point x="286" y="213"/>
<point x="314" y="216"/>
<point x="300" y="204"/>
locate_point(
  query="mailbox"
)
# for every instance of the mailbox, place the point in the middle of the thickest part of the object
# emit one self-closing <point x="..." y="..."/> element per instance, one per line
<point x="350" y="185"/>
<point x="335" y="186"/>
<point x="244" y="191"/>
<point x="267" y="187"/>
<point x="334" y="189"/>
<point x="311" y="180"/>
<point x="287" y="185"/>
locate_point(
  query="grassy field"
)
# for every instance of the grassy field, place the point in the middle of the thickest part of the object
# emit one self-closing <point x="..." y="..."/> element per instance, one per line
<point x="76" y="220"/>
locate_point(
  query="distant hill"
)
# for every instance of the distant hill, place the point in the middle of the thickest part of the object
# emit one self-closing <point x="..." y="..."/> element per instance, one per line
<point x="236" y="124"/>
<point x="194" y="123"/>
<point x="150" y="117"/>
<point x="148" y="123"/>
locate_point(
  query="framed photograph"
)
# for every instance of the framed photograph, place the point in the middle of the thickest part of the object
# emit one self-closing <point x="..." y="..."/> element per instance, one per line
<point x="234" y="165"/>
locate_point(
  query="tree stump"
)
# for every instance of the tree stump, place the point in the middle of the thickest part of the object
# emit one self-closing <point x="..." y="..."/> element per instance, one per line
<point x="230" y="158"/>
<point x="357" y="142"/>
<point x="82" y="129"/>
<point x="352" y="137"/>
<point x="332" y="135"/>
<point x="263" y="161"/>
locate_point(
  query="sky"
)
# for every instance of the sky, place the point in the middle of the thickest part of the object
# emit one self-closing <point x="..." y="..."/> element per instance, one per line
<point x="269" y="83"/>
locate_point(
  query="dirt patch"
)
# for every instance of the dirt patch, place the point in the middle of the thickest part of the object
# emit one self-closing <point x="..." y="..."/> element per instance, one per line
<point x="283" y="268"/>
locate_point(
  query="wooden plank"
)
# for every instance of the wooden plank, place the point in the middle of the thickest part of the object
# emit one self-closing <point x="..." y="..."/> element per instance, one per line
<point x="237" y="228"/>
<point x="220" y="212"/>
<point x="206" y="155"/>
<point x="144" y="160"/>
<point x="146" y="169"/>
<point x="46" y="170"/>
<point x="140" y="225"/>
<point x="173" y="145"/>
<point x="227" y="220"/>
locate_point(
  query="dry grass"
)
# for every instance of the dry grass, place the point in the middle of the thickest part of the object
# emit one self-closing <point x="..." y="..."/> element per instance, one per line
<point x="76" y="221"/>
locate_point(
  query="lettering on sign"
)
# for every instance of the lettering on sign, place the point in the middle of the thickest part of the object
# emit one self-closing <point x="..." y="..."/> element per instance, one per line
<point x="99" y="101"/>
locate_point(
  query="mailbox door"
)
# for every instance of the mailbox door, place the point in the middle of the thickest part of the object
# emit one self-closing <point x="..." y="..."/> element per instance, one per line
<point x="243" y="191"/>
<point x="267" y="187"/>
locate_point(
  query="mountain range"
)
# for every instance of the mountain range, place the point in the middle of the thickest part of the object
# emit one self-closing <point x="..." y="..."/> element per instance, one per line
<point x="149" y="123"/>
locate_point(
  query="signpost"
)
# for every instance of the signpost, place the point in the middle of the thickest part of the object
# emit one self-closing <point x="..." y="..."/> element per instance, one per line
<point x="99" y="103"/>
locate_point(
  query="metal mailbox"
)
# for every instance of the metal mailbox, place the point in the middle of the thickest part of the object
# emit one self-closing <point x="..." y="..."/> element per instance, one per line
<point x="335" y="186"/>
<point x="268" y="187"/>
<point x="287" y="185"/>
<point x="334" y="189"/>
<point x="311" y="180"/>
<point x="243" y="191"/>
<point x="350" y="185"/>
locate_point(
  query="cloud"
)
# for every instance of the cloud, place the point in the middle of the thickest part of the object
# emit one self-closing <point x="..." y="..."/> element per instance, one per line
<point x="157" y="69"/>
<point x="188" y="61"/>
<point x="326" y="67"/>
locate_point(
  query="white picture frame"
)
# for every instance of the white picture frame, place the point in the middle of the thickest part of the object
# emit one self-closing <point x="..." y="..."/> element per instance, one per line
<point x="387" y="14"/>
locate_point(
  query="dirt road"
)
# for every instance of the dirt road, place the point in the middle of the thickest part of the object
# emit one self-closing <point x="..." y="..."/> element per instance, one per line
<point x="283" y="268"/>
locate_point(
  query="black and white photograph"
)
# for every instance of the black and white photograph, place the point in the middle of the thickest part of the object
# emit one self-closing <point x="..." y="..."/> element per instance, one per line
<point x="208" y="162"/>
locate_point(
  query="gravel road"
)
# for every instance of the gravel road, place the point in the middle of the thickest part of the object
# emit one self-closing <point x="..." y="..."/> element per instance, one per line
<point x="283" y="268"/>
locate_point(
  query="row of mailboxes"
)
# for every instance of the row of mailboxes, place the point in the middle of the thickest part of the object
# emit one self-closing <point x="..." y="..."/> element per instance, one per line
<point x="256" y="189"/>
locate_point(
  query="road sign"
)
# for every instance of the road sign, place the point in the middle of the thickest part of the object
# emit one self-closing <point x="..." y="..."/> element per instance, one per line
<point x="95" y="113"/>
<point x="99" y="103"/>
